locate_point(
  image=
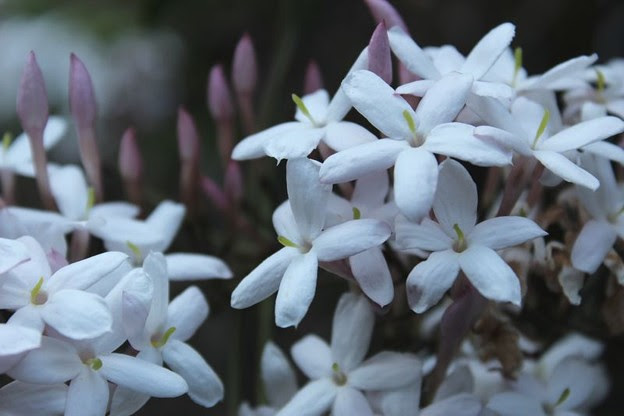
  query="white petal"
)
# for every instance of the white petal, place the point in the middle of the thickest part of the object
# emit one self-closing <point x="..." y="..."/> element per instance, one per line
<point x="430" y="279"/>
<point x="349" y="238"/>
<point x="402" y="401"/>
<point x="565" y="69"/>
<point x="571" y="281"/>
<point x="155" y="268"/>
<point x="89" y="384"/>
<point x="191" y="266"/>
<point x="351" y="402"/>
<point x="352" y="329"/>
<point x="464" y="404"/>
<point x="415" y="182"/>
<point x="496" y="90"/>
<point x="54" y="362"/>
<point x="377" y="101"/>
<point x="416" y="88"/>
<point x="502" y="232"/>
<point x="442" y="102"/>
<point x="572" y="373"/>
<point x="296" y="290"/>
<point x="592" y="245"/>
<point x="490" y="275"/>
<point x="278" y="377"/>
<point x="372" y="274"/>
<point x="12" y="253"/>
<point x="583" y="133"/>
<point x="166" y="218"/>
<point x="411" y="55"/>
<point x="69" y="188"/>
<point x="386" y="371"/>
<point x="15" y="339"/>
<point x="486" y="52"/>
<point x="33" y="399"/>
<point x="204" y="386"/>
<point x="456" y="199"/>
<point x="187" y="312"/>
<point x="115" y="209"/>
<point x="314" y="398"/>
<point x="285" y="224"/>
<point x="316" y="103"/>
<point x="252" y="147"/>
<point x="134" y="313"/>
<point x="77" y="315"/>
<point x="424" y="236"/>
<point x="515" y="404"/>
<point x="313" y="356"/>
<point x="294" y="144"/>
<point x="461" y="141"/>
<point x="606" y="150"/>
<point x="568" y="171"/>
<point x="141" y="376"/>
<point x="361" y="160"/>
<point x="264" y="280"/>
<point x="84" y="273"/>
<point x="340" y="104"/>
<point x="370" y="191"/>
<point x="345" y="134"/>
<point x="495" y="114"/>
<point x="126" y="402"/>
<point x="307" y="195"/>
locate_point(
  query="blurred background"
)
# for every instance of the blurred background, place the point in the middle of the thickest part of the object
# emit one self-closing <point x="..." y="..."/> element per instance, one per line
<point x="148" y="57"/>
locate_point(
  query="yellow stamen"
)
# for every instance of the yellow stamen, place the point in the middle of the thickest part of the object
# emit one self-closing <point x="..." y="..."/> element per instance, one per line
<point x="94" y="363"/>
<point x="135" y="250"/>
<point x="517" y="64"/>
<point x="163" y="340"/>
<point x="356" y="213"/>
<point x="564" y="396"/>
<point x="6" y="141"/>
<point x="90" y="199"/>
<point x="286" y="242"/>
<point x="302" y="107"/>
<point x="542" y="127"/>
<point x="461" y="240"/>
<point x="34" y="293"/>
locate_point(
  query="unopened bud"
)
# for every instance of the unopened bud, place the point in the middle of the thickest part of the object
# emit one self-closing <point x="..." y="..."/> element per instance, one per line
<point x="188" y="147"/>
<point x="219" y="98"/>
<point x="215" y="194"/>
<point x="383" y="11"/>
<point x="313" y="80"/>
<point x="130" y="161"/>
<point x="379" y="60"/>
<point x="233" y="181"/>
<point x="244" y="66"/>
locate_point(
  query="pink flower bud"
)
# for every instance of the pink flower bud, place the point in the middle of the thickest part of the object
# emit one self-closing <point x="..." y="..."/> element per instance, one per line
<point x="384" y="11"/>
<point x="215" y="194"/>
<point x="379" y="60"/>
<point x="244" y="67"/>
<point x="233" y="181"/>
<point x="130" y="161"/>
<point x="313" y="80"/>
<point x="188" y="138"/>
<point x="84" y="111"/>
<point x="219" y="98"/>
<point x="32" y="99"/>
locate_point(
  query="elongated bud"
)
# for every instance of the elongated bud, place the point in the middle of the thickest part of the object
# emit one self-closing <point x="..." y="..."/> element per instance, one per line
<point x="131" y="165"/>
<point x="215" y="194"/>
<point x="219" y="98"/>
<point x="313" y="80"/>
<point x="188" y="148"/>
<point x="84" y="111"/>
<point x="379" y="60"/>
<point x="244" y="66"/>
<point x="32" y="110"/>
<point x="383" y="11"/>
<point x="233" y="182"/>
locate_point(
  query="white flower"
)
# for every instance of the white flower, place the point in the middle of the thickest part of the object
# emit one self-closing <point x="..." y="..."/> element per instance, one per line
<point x="40" y="297"/>
<point x="338" y="375"/>
<point x="158" y="330"/>
<point x="19" y="398"/>
<point x="458" y="244"/>
<point x="15" y="341"/>
<point x="605" y="208"/>
<point x="413" y="138"/>
<point x="300" y="226"/>
<point x="317" y="119"/>
<point x="527" y="131"/>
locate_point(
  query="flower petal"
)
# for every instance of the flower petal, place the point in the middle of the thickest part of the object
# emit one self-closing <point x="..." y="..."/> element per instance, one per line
<point x="12" y="253"/>
<point x="340" y="104"/>
<point x="592" y="245"/>
<point x="187" y="312"/>
<point x="370" y="191"/>
<point x="204" y="386"/>
<point x="264" y="280"/>
<point x="314" y="398"/>
<point x="515" y="404"/>
<point x="567" y="170"/>
<point x="69" y="188"/>
<point x="349" y="402"/>
<point x="430" y="279"/>
<point x="278" y="377"/>
<point x="456" y="199"/>
<point x="427" y="235"/>
<point x="54" y="362"/>
<point x="564" y="69"/>
<point x="352" y="330"/>
<point x="166" y="218"/>
<point x="296" y="290"/>
<point x="583" y="133"/>
<point x="88" y="384"/>
<point x="16" y="339"/>
<point x="77" y="314"/>
<point x="377" y="101"/>
<point x="192" y="266"/>
<point x="345" y="134"/>
<point x="349" y="238"/>
<point x="386" y="371"/>
<point x="461" y="404"/>
<point x="313" y="357"/>
<point x="84" y="273"/>
<point x="411" y="55"/>
<point x="486" y="52"/>
<point x="32" y="399"/>
<point x="502" y="232"/>
<point x="307" y="195"/>
<point x="372" y="274"/>
<point x="415" y="182"/>
<point x="155" y="268"/>
<point x="142" y="376"/>
<point x="606" y="150"/>
<point x="252" y="147"/>
<point x="490" y="275"/>
<point x="294" y="144"/>
<point x="361" y="160"/>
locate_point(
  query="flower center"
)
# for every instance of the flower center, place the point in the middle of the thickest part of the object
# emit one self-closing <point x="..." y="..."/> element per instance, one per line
<point x="95" y="363"/>
<point x="460" y="244"/>
<point x="550" y="408"/>
<point x="136" y="251"/>
<point x="158" y="342"/>
<point x="37" y="296"/>
<point x="304" y="248"/>
<point x="416" y="140"/>
<point x="338" y="376"/>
